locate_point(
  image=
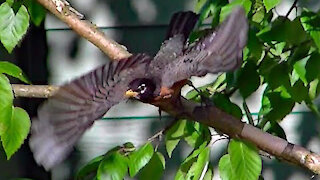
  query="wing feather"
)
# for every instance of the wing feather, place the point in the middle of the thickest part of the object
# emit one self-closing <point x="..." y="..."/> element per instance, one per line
<point x="181" y="25"/>
<point x="64" y="117"/>
<point x="219" y="51"/>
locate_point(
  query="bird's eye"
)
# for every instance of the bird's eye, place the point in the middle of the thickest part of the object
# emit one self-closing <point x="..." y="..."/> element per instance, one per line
<point x="142" y="88"/>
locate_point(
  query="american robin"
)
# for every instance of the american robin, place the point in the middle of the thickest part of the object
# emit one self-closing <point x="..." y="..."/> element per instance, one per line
<point x="64" y="117"/>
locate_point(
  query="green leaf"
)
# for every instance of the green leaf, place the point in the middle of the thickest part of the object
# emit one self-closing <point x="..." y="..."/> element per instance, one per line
<point x="10" y="2"/>
<point x="274" y="128"/>
<point x="277" y="75"/>
<point x="314" y="89"/>
<point x="299" y="53"/>
<point x="299" y="71"/>
<point x="298" y="92"/>
<point x="310" y="23"/>
<point x="312" y="67"/>
<point x="217" y="84"/>
<point x="231" y="79"/>
<point x="248" y="79"/>
<point x="212" y="87"/>
<point x="113" y="166"/>
<point x="16" y="130"/>
<point x="278" y="79"/>
<point x="316" y="38"/>
<point x="37" y="12"/>
<point x="199" y="5"/>
<point x="139" y="158"/>
<point x="224" y="103"/>
<point x="196" y="134"/>
<point x="13" y="70"/>
<point x="205" y="11"/>
<point x="209" y="174"/>
<point x="269" y="4"/>
<point x="183" y="172"/>
<point x="91" y="167"/>
<point x="225" y="168"/>
<point x="254" y="46"/>
<point x="154" y="169"/>
<point x="6" y="100"/>
<point x="12" y="26"/>
<point x="173" y="136"/>
<point x="226" y="10"/>
<point x="284" y="30"/>
<point x="267" y="65"/>
<point x="275" y="106"/>
<point x="198" y="167"/>
<point x="244" y="160"/>
<point x="258" y="11"/>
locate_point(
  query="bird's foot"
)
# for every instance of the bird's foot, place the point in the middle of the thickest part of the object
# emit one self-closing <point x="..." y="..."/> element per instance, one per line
<point x="204" y="99"/>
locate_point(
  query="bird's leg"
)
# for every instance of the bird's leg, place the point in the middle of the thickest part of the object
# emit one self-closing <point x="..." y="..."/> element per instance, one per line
<point x="163" y="131"/>
<point x="159" y="134"/>
<point x="160" y="112"/>
<point x="198" y="91"/>
<point x="163" y="124"/>
<point x="203" y="99"/>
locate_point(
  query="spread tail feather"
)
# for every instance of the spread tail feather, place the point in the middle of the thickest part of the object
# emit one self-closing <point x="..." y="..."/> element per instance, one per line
<point x="182" y="23"/>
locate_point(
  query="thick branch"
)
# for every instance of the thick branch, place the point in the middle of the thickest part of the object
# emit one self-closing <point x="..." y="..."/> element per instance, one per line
<point x="85" y="29"/>
<point x="225" y="123"/>
<point x="216" y="118"/>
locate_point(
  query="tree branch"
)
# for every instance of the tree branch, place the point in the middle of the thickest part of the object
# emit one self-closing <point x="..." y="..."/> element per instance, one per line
<point x="34" y="91"/>
<point x="225" y="123"/>
<point x="176" y="106"/>
<point x="85" y="29"/>
<point x="179" y="107"/>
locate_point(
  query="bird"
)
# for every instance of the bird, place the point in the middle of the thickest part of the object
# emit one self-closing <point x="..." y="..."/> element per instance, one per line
<point x="64" y="117"/>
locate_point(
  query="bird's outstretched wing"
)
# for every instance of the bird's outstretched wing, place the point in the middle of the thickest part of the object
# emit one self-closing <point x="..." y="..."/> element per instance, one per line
<point x="64" y="117"/>
<point x="181" y="25"/>
<point x="218" y="51"/>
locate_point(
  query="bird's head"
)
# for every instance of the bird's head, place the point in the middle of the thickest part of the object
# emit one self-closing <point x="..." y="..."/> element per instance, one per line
<point x="141" y="88"/>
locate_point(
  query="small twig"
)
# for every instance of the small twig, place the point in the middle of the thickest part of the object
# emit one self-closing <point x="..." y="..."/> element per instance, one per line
<point x="160" y="133"/>
<point x="204" y="170"/>
<point x="34" y="91"/>
<point x="248" y="113"/>
<point x="275" y="10"/>
<point x="156" y="135"/>
<point x="163" y="131"/>
<point x="291" y="8"/>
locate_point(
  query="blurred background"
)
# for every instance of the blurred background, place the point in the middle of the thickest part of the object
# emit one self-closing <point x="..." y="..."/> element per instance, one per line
<point x="53" y="54"/>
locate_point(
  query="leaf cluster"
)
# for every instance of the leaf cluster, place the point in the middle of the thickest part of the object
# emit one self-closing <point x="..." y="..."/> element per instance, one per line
<point x="14" y="121"/>
<point x="14" y="20"/>
<point x="281" y="57"/>
<point x="125" y="160"/>
<point x="14" y="23"/>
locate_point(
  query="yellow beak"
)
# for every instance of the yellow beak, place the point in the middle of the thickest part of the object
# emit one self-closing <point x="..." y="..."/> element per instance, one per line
<point x="131" y="93"/>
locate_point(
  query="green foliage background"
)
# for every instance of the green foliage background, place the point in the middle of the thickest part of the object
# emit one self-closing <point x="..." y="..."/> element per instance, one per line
<point x="282" y="55"/>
